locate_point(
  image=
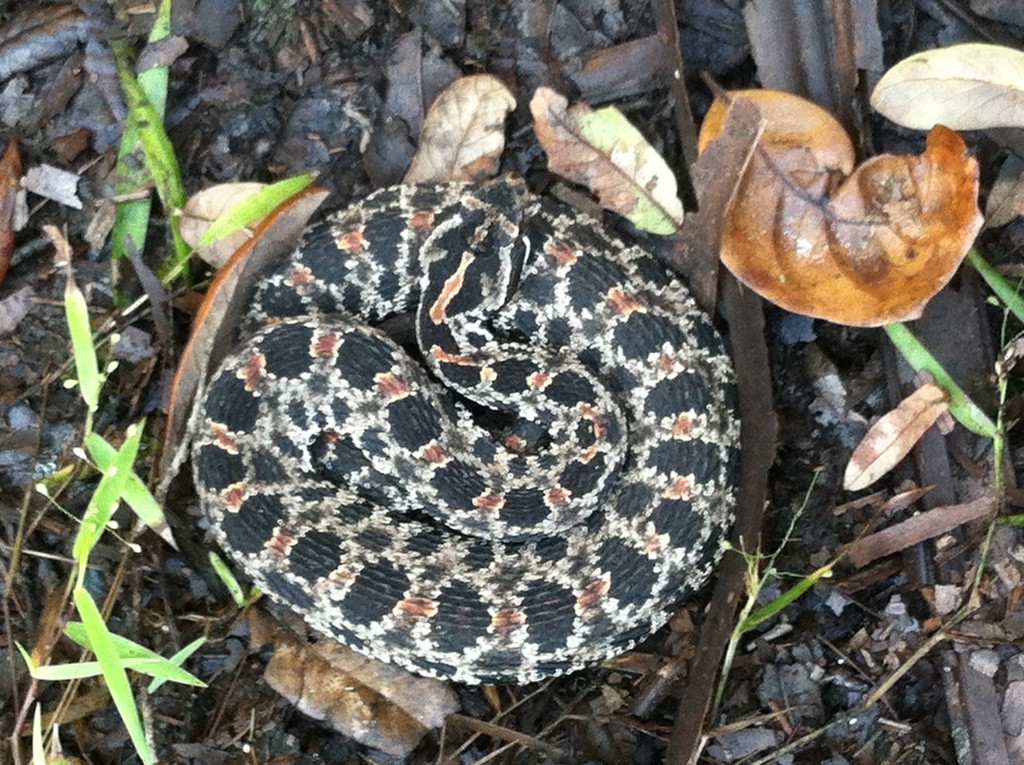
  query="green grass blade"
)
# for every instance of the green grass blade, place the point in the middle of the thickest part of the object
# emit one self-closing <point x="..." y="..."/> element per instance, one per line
<point x="1006" y="291"/>
<point x="1016" y="519"/>
<point x="156" y="145"/>
<point x="158" y="152"/>
<point x="142" y="659"/>
<point x="228" y="578"/>
<point x="29" y="661"/>
<point x="163" y="670"/>
<point x="771" y="609"/>
<point x="117" y="679"/>
<point x="253" y="208"/>
<point x="38" y="752"/>
<point x="108" y="493"/>
<point x="178" y="659"/>
<point x="78" y="670"/>
<point x="106" y="456"/>
<point x="153" y="81"/>
<point x="101" y="451"/>
<point x="969" y="414"/>
<point x="132" y="175"/>
<point x="82" y="347"/>
<point x="101" y="507"/>
<point x="131" y="219"/>
<point x="142" y="502"/>
<point x="126" y="649"/>
<point x="138" y="496"/>
<point x="160" y="668"/>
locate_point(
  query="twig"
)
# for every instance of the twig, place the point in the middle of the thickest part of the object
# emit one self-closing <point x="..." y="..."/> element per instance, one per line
<point x="686" y="129"/>
<point x="507" y="734"/>
<point x="758" y="439"/>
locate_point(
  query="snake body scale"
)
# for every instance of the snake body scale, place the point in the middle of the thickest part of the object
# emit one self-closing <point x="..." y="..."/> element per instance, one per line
<point x="526" y="492"/>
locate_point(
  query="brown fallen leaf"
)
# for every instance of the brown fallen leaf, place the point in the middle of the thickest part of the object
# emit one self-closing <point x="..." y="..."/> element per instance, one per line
<point x="204" y="207"/>
<point x="865" y="250"/>
<point x="464" y="132"/>
<point x="604" y="152"/>
<point x="891" y="438"/>
<point x="10" y="180"/>
<point x="817" y="143"/>
<point x="926" y="525"/>
<point x="377" y="704"/>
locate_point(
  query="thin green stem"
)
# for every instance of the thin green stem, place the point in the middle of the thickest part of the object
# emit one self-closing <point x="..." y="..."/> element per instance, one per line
<point x="1006" y="291"/>
<point x="969" y="414"/>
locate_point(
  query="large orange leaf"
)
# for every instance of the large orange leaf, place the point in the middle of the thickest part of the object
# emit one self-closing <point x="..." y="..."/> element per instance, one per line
<point x="866" y="248"/>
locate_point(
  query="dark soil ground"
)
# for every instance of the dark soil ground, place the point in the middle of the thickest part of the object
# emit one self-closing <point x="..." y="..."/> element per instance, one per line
<point x="265" y="90"/>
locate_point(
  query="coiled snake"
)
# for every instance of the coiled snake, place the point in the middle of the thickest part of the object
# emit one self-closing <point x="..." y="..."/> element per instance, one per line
<point x="529" y="495"/>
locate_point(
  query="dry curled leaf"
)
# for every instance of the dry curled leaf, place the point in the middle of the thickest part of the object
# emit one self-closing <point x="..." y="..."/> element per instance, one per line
<point x="964" y="87"/>
<point x="864" y="249"/>
<point x="891" y="438"/>
<point x="604" y="152"/>
<point x="464" y="132"/>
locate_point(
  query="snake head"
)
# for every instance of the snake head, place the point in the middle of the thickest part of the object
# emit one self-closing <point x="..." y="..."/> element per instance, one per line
<point x="473" y="259"/>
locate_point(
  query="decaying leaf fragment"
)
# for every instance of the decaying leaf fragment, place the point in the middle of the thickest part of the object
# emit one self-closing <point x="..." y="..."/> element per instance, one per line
<point x="464" y="132"/>
<point x="864" y="249"/>
<point x="14" y="308"/>
<point x="378" y="704"/>
<point x="964" y="87"/>
<point x="604" y="152"/>
<point x="53" y="183"/>
<point x="891" y="438"/>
